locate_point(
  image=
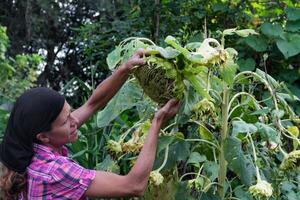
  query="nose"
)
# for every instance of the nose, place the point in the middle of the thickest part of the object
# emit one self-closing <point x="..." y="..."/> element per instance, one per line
<point x="74" y="120"/>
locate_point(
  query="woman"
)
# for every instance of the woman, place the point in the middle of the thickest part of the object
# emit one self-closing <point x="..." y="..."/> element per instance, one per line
<point x="34" y="159"/>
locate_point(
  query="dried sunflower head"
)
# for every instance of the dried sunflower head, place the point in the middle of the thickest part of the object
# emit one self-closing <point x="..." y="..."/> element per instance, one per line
<point x="137" y="140"/>
<point x="114" y="147"/>
<point x="196" y="183"/>
<point x="262" y="189"/>
<point x="204" y="110"/>
<point x="211" y="55"/>
<point x="291" y="161"/>
<point x="156" y="178"/>
<point x="159" y="79"/>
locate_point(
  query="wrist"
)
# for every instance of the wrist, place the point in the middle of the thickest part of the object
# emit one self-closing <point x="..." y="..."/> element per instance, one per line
<point x="158" y="119"/>
<point x="124" y="69"/>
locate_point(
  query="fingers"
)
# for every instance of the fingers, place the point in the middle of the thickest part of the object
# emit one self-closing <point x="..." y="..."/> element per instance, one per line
<point x="140" y="52"/>
<point x="173" y="102"/>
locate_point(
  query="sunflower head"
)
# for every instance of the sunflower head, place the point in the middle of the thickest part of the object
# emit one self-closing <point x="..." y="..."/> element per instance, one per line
<point x="114" y="147"/>
<point x="196" y="183"/>
<point x="204" y="110"/>
<point x="262" y="189"/>
<point x="156" y="178"/>
<point x="291" y="161"/>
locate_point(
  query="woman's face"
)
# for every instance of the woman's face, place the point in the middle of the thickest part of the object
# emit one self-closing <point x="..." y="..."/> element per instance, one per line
<point x="64" y="128"/>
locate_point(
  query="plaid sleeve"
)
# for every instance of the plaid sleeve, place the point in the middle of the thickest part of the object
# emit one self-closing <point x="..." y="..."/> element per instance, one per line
<point x="70" y="180"/>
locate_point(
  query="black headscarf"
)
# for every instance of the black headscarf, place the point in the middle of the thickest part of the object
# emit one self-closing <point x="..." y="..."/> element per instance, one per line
<point x="33" y="112"/>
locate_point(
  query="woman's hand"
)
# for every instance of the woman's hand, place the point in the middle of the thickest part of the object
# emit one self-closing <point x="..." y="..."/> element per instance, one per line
<point x="136" y="59"/>
<point x="168" y="111"/>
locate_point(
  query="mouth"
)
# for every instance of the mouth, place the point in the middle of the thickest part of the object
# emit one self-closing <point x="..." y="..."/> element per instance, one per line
<point x="73" y="132"/>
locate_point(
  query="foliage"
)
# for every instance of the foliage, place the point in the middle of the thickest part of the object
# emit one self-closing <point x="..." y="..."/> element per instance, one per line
<point x="16" y="75"/>
<point x="245" y="145"/>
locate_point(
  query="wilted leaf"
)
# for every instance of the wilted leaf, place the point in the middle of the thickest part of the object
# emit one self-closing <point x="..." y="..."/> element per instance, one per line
<point x="237" y="162"/>
<point x="246" y="32"/>
<point x="267" y="132"/>
<point x="205" y="133"/>
<point x="114" y="58"/>
<point x="242" y="127"/>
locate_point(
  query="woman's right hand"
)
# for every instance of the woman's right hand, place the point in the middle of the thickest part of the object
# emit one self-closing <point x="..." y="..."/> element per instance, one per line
<point x="168" y="111"/>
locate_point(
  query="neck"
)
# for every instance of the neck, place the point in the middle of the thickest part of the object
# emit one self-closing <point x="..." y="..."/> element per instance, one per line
<point x="55" y="148"/>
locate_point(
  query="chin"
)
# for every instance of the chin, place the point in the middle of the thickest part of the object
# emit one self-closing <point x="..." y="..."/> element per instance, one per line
<point x="73" y="137"/>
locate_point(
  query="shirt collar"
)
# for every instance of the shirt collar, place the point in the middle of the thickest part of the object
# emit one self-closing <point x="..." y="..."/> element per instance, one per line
<point x="40" y="149"/>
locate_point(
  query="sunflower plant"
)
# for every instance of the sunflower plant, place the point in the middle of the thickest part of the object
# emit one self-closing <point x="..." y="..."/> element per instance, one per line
<point x="235" y="135"/>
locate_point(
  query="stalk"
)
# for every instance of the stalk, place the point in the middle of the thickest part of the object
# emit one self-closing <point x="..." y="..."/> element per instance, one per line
<point x="224" y="135"/>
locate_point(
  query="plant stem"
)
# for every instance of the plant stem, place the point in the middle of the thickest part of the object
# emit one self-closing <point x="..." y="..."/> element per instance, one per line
<point x="224" y="135"/>
<point x="255" y="158"/>
<point x="165" y="159"/>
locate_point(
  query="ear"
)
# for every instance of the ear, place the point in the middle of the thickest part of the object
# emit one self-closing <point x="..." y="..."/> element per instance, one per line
<point x="43" y="137"/>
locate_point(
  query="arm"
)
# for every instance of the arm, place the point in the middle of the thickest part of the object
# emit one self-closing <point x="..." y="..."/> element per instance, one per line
<point x="134" y="183"/>
<point x="107" y="89"/>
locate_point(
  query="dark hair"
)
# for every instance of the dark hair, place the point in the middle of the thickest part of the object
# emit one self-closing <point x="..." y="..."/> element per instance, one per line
<point x="11" y="183"/>
<point x="33" y="113"/>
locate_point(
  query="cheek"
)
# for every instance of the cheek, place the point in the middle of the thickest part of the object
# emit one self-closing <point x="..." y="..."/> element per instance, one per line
<point x="63" y="131"/>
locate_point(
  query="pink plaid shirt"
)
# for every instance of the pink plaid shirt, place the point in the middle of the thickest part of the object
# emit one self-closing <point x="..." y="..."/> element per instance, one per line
<point x="55" y="176"/>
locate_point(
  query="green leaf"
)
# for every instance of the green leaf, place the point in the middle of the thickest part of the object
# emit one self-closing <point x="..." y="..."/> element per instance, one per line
<point x="174" y="43"/>
<point x="196" y="158"/>
<point x="163" y="142"/>
<point x="205" y="133"/>
<point x="183" y="192"/>
<point x="230" y="31"/>
<point x="242" y="127"/>
<point x="268" y="133"/>
<point x="272" y="30"/>
<point x="267" y="77"/>
<point x="277" y="114"/>
<point x="237" y="162"/>
<point x="228" y="71"/>
<point x="246" y="64"/>
<point x="193" y="46"/>
<point x="257" y="43"/>
<point x="261" y="111"/>
<point x="293" y="14"/>
<point x="182" y="149"/>
<point x="241" y="33"/>
<point x="108" y="164"/>
<point x="114" y="58"/>
<point x="207" y="196"/>
<point x="290" y="46"/>
<point x="293" y="26"/>
<point x="242" y="194"/>
<point x="211" y="170"/>
<point x="246" y="32"/>
<point x="167" y="52"/>
<point x="127" y="97"/>
<point x="198" y="85"/>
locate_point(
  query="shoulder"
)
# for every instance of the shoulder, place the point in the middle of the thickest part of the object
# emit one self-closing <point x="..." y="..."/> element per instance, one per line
<point x="67" y="170"/>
